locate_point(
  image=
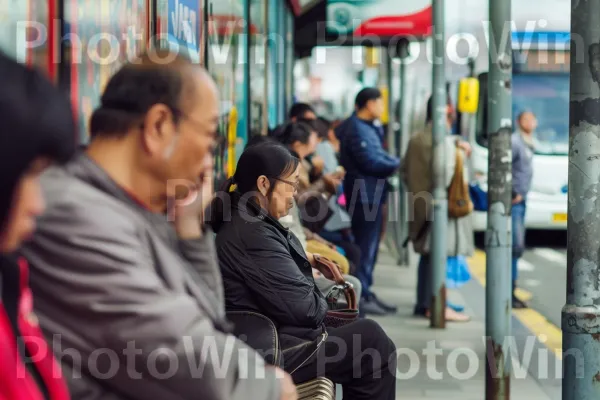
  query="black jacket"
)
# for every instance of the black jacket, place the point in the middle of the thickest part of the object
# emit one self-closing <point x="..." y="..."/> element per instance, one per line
<point x="266" y="270"/>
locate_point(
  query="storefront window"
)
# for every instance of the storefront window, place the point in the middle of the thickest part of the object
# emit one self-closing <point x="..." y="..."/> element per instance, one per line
<point x="24" y="33"/>
<point x="257" y="57"/>
<point x="181" y="28"/>
<point x="225" y="61"/>
<point x="289" y="59"/>
<point x="273" y="82"/>
<point x="103" y="35"/>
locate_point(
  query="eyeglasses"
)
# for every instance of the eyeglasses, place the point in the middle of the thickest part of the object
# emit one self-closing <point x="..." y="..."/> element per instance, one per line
<point x="295" y="185"/>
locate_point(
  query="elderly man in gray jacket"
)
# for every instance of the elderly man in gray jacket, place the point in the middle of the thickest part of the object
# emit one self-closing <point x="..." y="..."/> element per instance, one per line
<point x="125" y="274"/>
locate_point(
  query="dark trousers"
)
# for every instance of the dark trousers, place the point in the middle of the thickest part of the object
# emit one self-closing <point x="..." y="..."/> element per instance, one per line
<point x="360" y="357"/>
<point x="518" y="237"/>
<point x="366" y="228"/>
<point x="423" y="285"/>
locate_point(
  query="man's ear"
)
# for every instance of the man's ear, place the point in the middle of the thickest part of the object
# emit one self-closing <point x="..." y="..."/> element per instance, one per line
<point x="158" y="129"/>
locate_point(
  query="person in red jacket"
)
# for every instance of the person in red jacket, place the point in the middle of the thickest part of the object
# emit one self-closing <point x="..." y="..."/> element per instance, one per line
<point x="37" y="129"/>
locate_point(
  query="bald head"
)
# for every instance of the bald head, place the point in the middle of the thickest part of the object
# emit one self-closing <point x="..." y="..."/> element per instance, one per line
<point x="157" y="77"/>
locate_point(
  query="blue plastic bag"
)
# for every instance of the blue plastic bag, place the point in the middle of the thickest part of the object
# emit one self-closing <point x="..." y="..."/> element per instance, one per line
<point x="479" y="197"/>
<point x="457" y="272"/>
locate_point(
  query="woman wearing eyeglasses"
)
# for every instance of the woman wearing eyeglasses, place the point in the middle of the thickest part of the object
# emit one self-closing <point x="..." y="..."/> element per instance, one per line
<point x="266" y="270"/>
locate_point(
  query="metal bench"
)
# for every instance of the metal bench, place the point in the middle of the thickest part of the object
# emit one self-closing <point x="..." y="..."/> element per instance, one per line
<point x="260" y="333"/>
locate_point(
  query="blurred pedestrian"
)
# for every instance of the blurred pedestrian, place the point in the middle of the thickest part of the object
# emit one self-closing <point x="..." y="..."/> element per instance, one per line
<point x="368" y="166"/>
<point x="37" y="130"/>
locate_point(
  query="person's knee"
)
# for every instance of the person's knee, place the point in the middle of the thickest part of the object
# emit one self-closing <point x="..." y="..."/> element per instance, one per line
<point x="374" y="339"/>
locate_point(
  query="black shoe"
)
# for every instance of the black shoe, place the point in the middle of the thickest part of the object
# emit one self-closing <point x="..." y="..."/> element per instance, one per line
<point x="518" y="304"/>
<point x="420" y="312"/>
<point x="387" y="307"/>
<point x="369" y="306"/>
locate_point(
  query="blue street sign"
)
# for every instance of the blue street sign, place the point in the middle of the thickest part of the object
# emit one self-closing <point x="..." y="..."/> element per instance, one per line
<point x="184" y="24"/>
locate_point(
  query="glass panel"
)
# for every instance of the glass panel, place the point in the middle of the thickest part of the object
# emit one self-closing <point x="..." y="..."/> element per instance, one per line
<point x="225" y="61"/>
<point x="180" y="27"/>
<point x="24" y="31"/>
<point x="102" y="36"/>
<point x="258" y="111"/>
<point x="289" y="59"/>
<point x="273" y="78"/>
<point x="547" y="96"/>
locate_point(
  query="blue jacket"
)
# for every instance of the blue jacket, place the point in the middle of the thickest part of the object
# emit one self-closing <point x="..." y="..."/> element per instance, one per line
<point x="522" y="165"/>
<point x="367" y="164"/>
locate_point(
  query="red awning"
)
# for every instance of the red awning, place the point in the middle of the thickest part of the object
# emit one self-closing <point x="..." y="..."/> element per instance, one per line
<point x="416" y="24"/>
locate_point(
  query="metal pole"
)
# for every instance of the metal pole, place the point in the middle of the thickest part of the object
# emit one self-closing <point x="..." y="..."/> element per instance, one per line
<point x="439" y="253"/>
<point x="581" y="313"/>
<point x="498" y="234"/>
<point x="401" y="144"/>
<point x="389" y="72"/>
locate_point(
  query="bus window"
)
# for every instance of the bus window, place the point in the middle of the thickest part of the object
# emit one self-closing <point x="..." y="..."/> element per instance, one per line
<point x="547" y="96"/>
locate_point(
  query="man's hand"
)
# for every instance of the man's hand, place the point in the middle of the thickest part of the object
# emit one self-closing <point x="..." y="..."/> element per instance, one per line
<point x="518" y="198"/>
<point x="288" y="388"/>
<point x="465" y="146"/>
<point x="332" y="181"/>
<point x="318" y="165"/>
<point x="188" y="213"/>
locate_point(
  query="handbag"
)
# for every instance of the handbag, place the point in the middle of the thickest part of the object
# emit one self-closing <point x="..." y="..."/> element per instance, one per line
<point x="459" y="199"/>
<point x="337" y="317"/>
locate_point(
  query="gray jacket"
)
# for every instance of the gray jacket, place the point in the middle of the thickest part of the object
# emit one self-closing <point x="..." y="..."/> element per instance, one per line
<point x="417" y="175"/>
<point x="522" y="165"/>
<point x="111" y="278"/>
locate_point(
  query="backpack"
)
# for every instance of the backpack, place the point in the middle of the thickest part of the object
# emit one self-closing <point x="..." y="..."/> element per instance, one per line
<point x="459" y="199"/>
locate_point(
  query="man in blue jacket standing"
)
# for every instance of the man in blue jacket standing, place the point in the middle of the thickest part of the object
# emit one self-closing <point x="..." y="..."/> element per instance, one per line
<point x="367" y="168"/>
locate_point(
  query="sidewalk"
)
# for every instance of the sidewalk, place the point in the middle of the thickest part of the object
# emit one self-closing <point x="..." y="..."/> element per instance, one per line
<point x="458" y="369"/>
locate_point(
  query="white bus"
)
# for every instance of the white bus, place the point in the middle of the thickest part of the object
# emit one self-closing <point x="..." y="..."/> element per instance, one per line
<point x="540" y="84"/>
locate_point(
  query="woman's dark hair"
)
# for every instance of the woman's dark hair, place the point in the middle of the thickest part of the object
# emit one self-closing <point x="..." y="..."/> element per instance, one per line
<point x="258" y="139"/>
<point x="298" y="110"/>
<point x="323" y="126"/>
<point x="37" y="121"/>
<point x="295" y="132"/>
<point x="429" y="115"/>
<point x="267" y="158"/>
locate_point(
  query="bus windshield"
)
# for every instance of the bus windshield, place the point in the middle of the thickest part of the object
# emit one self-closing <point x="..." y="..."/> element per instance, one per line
<point x="547" y="96"/>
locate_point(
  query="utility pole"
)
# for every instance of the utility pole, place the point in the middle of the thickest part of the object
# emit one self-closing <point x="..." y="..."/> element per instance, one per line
<point x="580" y="316"/>
<point x="401" y="143"/>
<point x="498" y="241"/>
<point x="439" y="253"/>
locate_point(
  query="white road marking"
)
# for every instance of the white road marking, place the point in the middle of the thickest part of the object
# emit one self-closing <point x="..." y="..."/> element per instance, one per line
<point x="524" y="265"/>
<point x="552" y="255"/>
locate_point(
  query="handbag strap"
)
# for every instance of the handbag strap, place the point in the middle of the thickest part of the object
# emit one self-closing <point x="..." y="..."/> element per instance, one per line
<point x="339" y="280"/>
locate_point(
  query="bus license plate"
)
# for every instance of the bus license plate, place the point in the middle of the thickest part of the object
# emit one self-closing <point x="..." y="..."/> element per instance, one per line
<point x="559" y="218"/>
